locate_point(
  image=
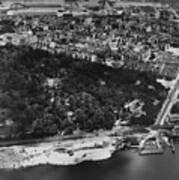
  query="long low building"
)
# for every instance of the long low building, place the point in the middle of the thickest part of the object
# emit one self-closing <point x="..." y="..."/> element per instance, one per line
<point x="33" y="11"/>
<point x="33" y="2"/>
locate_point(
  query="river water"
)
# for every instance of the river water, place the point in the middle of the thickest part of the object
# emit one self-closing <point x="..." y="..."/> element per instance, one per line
<point x="122" y="166"/>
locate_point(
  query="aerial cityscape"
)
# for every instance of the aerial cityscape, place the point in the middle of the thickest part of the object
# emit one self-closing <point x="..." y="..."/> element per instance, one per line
<point x="84" y="80"/>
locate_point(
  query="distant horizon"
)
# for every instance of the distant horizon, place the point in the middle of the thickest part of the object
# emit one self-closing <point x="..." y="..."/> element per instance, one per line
<point x="90" y="2"/>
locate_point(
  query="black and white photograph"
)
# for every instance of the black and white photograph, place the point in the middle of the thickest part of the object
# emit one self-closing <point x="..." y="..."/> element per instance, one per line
<point x="89" y="89"/>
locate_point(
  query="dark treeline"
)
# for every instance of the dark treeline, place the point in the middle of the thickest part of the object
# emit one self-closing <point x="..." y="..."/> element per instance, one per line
<point x="84" y="95"/>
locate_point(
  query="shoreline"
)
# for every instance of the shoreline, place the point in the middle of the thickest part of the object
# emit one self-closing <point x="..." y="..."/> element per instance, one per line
<point x="58" y="153"/>
<point x="94" y="147"/>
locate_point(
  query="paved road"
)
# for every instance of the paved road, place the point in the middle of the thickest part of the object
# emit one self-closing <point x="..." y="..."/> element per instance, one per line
<point x="171" y="99"/>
